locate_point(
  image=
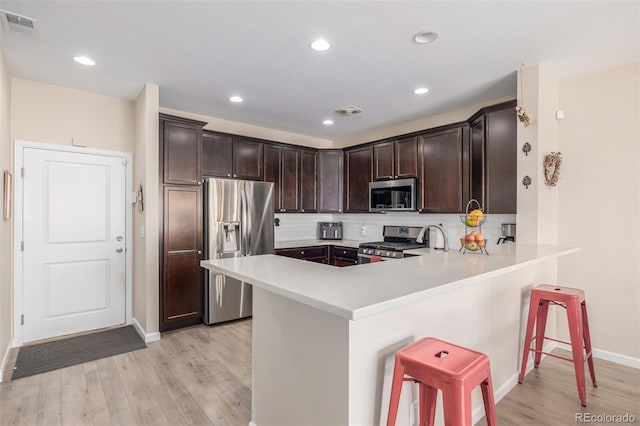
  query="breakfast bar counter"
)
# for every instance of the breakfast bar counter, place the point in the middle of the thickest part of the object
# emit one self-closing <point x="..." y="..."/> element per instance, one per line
<point x="324" y="337"/>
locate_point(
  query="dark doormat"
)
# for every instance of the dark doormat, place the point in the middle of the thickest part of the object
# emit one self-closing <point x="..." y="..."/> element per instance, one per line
<point x="76" y="350"/>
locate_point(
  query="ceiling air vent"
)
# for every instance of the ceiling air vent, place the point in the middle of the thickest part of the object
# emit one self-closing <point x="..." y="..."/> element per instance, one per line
<point x="18" y="23"/>
<point x="348" y="111"/>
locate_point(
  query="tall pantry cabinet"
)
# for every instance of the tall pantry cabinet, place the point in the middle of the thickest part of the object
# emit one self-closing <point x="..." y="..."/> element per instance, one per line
<point x="181" y="278"/>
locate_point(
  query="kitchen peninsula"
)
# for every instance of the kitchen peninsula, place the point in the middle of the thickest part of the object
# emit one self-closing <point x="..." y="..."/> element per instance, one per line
<point x="324" y="337"/>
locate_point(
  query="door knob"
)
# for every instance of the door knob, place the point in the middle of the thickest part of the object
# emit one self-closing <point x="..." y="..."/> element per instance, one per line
<point x="118" y="250"/>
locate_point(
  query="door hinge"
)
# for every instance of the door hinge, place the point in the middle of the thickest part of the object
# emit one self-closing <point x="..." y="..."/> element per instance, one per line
<point x="21" y="171"/>
<point x="22" y="319"/>
<point x="124" y="161"/>
<point x="21" y="245"/>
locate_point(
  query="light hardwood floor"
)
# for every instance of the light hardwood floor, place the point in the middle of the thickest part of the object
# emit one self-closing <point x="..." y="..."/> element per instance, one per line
<point x="202" y="376"/>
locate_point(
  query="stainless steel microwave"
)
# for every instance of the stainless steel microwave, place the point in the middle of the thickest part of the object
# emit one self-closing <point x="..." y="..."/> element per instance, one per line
<point x="393" y="195"/>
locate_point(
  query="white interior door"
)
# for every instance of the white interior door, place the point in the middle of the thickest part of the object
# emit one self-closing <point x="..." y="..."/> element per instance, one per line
<point x="74" y="262"/>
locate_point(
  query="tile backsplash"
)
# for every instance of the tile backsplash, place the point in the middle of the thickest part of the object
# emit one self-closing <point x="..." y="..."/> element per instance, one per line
<point x="304" y="226"/>
<point x="299" y="226"/>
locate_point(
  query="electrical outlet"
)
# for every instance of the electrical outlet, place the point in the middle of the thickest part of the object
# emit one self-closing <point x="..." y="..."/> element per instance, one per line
<point x="363" y="231"/>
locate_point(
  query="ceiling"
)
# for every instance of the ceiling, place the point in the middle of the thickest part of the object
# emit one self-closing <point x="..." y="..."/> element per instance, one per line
<point x="202" y="52"/>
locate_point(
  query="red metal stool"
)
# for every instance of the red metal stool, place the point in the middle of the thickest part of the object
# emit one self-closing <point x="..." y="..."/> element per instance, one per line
<point x="573" y="300"/>
<point x="455" y="370"/>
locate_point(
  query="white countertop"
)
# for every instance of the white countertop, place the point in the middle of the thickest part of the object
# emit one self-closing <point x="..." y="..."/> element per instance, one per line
<point x="358" y="291"/>
<point x="310" y="243"/>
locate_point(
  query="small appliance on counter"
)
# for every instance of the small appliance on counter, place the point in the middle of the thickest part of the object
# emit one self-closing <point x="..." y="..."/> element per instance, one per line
<point x="508" y="233"/>
<point x="330" y="230"/>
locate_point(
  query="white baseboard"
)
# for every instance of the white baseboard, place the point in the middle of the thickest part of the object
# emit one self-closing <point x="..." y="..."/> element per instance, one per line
<point x="616" y="358"/>
<point x="251" y="423"/>
<point x="5" y="358"/>
<point x="147" y="337"/>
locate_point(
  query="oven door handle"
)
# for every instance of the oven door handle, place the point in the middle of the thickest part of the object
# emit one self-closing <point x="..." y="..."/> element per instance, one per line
<point x="369" y="257"/>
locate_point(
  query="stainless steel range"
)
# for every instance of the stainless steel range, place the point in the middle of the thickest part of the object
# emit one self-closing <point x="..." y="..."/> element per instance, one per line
<point x="397" y="239"/>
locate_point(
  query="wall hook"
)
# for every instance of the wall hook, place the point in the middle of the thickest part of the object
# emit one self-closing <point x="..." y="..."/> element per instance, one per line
<point x="526" y="148"/>
<point x="526" y="181"/>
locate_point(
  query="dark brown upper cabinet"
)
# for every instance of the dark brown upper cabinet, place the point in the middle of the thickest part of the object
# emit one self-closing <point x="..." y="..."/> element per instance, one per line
<point x="293" y="172"/>
<point x="493" y="158"/>
<point x="395" y="159"/>
<point x="290" y="181"/>
<point x="272" y="171"/>
<point x="330" y="180"/>
<point x="406" y="157"/>
<point x="308" y="181"/>
<point x="247" y="159"/>
<point x="383" y="161"/>
<point x="441" y="171"/>
<point x="230" y="156"/>
<point x="217" y="154"/>
<point x="358" y="173"/>
<point x="180" y="141"/>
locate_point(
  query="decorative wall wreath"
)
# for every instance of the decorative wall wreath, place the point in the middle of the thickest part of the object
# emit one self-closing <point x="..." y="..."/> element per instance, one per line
<point x="551" y="168"/>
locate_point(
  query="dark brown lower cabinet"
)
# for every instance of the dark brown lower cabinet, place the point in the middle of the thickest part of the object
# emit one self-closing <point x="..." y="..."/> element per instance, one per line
<point x="181" y="285"/>
<point x="330" y="255"/>
<point x="319" y="254"/>
<point x="182" y="289"/>
<point x="344" y="256"/>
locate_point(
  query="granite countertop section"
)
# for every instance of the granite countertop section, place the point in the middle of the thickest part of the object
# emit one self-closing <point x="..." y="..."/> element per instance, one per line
<point x="359" y="291"/>
<point x="311" y="243"/>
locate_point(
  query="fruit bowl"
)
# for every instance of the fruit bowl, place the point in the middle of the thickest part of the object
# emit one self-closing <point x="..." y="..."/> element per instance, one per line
<point x="474" y="245"/>
<point x="472" y="221"/>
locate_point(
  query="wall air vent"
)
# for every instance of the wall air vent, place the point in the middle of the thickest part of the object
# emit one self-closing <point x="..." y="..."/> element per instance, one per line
<point x="18" y="23"/>
<point x="348" y="111"/>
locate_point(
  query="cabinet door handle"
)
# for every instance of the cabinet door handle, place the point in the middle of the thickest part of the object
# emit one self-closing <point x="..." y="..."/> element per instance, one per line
<point x="235" y="175"/>
<point x="199" y="251"/>
<point x="302" y="252"/>
<point x="118" y="250"/>
<point x="199" y="183"/>
<point x="228" y="174"/>
<point x="302" y="210"/>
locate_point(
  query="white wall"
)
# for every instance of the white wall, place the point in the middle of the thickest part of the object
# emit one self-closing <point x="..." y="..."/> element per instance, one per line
<point x="5" y="226"/>
<point x="53" y="114"/>
<point x="599" y="201"/>
<point x="145" y="223"/>
<point x="226" y="126"/>
<point x="429" y="122"/>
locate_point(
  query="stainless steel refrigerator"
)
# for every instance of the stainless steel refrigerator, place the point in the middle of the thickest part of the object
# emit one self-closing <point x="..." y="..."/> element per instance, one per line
<point x="238" y="222"/>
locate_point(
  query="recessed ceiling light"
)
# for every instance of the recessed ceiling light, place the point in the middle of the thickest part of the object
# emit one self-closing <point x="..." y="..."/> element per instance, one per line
<point x="236" y="99"/>
<point x="421" y="91"/>
<point x="320" y="45"/>
<point x="425" y="37"/>
<point x="84" y="60"/>
<point x="327" y="122"/>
